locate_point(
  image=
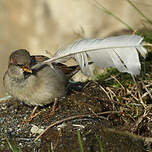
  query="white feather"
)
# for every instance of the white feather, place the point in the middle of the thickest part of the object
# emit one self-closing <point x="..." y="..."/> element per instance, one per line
<point x="120" y="52"/>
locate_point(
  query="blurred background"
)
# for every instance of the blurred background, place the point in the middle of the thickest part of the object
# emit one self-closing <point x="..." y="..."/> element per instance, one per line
<point x="43" y="26"/>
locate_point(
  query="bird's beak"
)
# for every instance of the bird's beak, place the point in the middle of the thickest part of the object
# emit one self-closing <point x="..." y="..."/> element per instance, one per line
<point x="26" y="69"/>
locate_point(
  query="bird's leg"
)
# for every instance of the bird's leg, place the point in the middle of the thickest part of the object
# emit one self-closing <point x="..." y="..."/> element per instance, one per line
<point x="32" y="115"/>
<point x="53" y="110"/>
<point x="53" y="107"/>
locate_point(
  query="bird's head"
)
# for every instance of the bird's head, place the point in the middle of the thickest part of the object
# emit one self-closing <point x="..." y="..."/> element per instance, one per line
<point x="19" y="63"/>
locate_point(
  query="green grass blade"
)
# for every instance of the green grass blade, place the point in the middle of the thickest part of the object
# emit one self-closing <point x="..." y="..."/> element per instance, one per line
<point x="142" y="14"/>
<point x="10" y="146"/>
<point x="20" y="148"/>
<point x="80" y="141"/>
<point x="100" y="144"/>
<point x="49" y="150"/>
<point x="113" y="15"/>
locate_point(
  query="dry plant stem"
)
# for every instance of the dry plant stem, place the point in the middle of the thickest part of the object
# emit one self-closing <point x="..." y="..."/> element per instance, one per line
<point x="88" y="83"/>
<point x="134" y="97"/>
<point x="106" y="93"/>
<point x="144" y="95"/>
<point x="112" y="94"/>
<point x="147" y="44"/>
<point x="149" y="85"/>
<point x="147" y="139"/>
<point x="57" y="140"/>
<point x="109" y="94"/>
<point x="76" y="117"/>
<point x="118" y="82"/>
<point x="141" y="101"/>
<point x="146" y="89"/>
<point x="138" y="91"/>
<point x="149" y="106"/>
<point x="140" y="119"/>
<point x="124" y="98"/>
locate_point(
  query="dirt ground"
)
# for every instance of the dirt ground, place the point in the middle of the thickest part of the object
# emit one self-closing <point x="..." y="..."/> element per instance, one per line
<point x="112" y="114"/>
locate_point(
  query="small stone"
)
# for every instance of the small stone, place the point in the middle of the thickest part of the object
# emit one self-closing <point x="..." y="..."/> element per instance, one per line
<point x="36" y="130"/>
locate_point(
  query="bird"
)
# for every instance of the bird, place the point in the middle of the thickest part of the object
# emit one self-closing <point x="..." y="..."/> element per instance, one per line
<point x="37" y="80"/>
<point x="38" y="86"/>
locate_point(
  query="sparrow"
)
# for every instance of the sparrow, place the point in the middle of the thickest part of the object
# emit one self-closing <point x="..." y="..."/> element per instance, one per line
<point x="39" y="86"/>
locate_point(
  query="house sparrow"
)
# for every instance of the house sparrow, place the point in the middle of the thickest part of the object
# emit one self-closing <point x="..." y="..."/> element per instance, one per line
<point x="35" y="86"/>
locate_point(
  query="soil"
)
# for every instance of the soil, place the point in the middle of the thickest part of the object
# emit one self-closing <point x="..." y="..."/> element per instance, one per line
<point x="109" y="118"/>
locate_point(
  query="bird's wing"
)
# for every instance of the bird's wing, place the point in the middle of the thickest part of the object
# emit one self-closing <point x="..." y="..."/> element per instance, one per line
<point x="37" y="59"/>
<point x="120" y="52"/>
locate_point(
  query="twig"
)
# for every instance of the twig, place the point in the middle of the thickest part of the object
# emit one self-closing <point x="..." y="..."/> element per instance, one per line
<point x="75" y="117"/>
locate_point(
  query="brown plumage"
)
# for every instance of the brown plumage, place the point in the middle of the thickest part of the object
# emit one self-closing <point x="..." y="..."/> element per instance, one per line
<point x="38" y="86"/>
